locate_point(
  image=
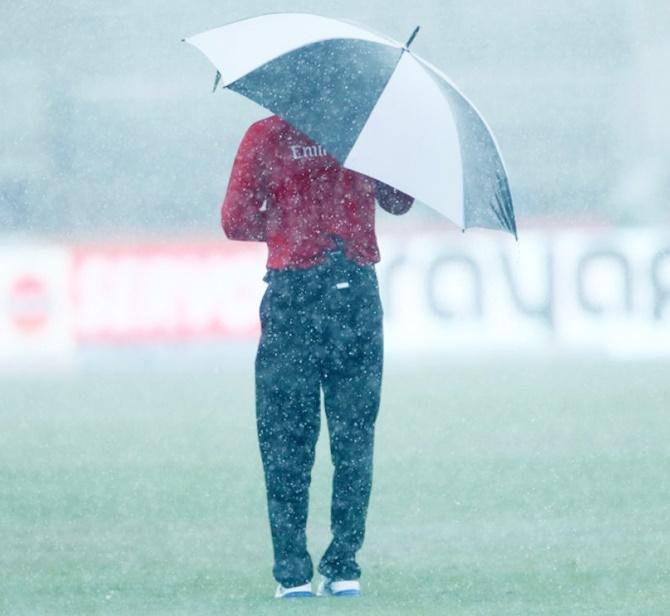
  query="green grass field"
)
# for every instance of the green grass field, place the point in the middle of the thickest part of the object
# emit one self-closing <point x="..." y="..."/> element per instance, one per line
<point x="514" y="487"/>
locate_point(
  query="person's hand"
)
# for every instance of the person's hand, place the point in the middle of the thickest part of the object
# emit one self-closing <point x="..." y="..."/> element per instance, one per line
<point x="393" y="200"/>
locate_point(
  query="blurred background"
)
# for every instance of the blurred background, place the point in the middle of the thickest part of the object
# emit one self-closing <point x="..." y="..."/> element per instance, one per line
<point x="108" y="126"/>
<point x="523" y="437"/>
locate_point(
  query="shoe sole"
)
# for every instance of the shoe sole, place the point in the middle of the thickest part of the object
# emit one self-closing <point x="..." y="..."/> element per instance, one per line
<point x="342" y="593"/>
<point x="347" y="593"/>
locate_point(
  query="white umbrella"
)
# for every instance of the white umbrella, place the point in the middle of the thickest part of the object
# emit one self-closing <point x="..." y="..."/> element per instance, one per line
<point x="374" y="105"/>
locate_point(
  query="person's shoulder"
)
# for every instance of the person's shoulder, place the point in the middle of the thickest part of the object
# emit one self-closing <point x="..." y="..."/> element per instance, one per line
<point x="267" y="126"/>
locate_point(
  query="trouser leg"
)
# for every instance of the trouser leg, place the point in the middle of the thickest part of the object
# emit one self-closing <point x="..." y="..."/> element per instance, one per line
<point x="351" y="379"/>
<point x="288" y="416"/>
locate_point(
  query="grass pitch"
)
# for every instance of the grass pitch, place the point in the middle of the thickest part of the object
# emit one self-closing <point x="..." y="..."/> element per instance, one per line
<point x="503" y="488"/>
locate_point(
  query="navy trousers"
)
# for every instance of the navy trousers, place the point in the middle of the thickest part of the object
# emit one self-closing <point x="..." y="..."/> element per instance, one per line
<point x="321" y="331"/>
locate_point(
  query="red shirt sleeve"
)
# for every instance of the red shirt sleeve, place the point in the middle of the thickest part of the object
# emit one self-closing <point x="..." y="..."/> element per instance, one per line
<point x="392" y="200"/>
<point x="241" y="215"/>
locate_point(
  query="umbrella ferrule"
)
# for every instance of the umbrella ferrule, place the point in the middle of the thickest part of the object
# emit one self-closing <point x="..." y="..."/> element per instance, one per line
<point x="411" y="38"/>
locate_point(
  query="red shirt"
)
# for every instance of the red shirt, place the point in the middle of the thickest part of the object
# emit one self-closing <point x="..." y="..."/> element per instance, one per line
<point x="287" y="191"/>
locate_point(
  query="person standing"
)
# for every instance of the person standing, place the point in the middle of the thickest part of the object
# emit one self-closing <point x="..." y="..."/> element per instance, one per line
<point x="321" y="330"/>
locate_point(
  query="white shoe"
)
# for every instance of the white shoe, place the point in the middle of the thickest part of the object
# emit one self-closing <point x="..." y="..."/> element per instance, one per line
<point x="339" y="588"/>
<point x="295" y="592"/>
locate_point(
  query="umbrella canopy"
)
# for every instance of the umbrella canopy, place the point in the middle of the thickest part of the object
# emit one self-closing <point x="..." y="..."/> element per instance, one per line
<point x="375" y="106"/>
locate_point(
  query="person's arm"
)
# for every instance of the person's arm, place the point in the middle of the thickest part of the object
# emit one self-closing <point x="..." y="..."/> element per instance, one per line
<point x="241" y="215"/>
<point x="392" y="200"/>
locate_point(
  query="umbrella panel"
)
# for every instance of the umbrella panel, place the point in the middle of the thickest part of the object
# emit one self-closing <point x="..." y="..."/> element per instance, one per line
<point x="327" y="89"/>
<point x="487" y="200"/>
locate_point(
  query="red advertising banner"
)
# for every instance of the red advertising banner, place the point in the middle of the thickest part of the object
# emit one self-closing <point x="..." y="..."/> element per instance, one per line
<point x="166" y="293"/>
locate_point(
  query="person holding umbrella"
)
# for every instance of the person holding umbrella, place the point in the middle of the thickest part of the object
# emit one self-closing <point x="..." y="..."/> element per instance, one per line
<point x="321" y="330"/>
<point x="356" y="105"/>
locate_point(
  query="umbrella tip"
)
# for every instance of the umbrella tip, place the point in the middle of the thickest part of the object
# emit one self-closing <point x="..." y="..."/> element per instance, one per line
<point x="411" y="38"/>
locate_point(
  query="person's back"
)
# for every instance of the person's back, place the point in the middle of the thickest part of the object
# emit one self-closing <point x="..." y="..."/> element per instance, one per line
<point x="287" y="191"/>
